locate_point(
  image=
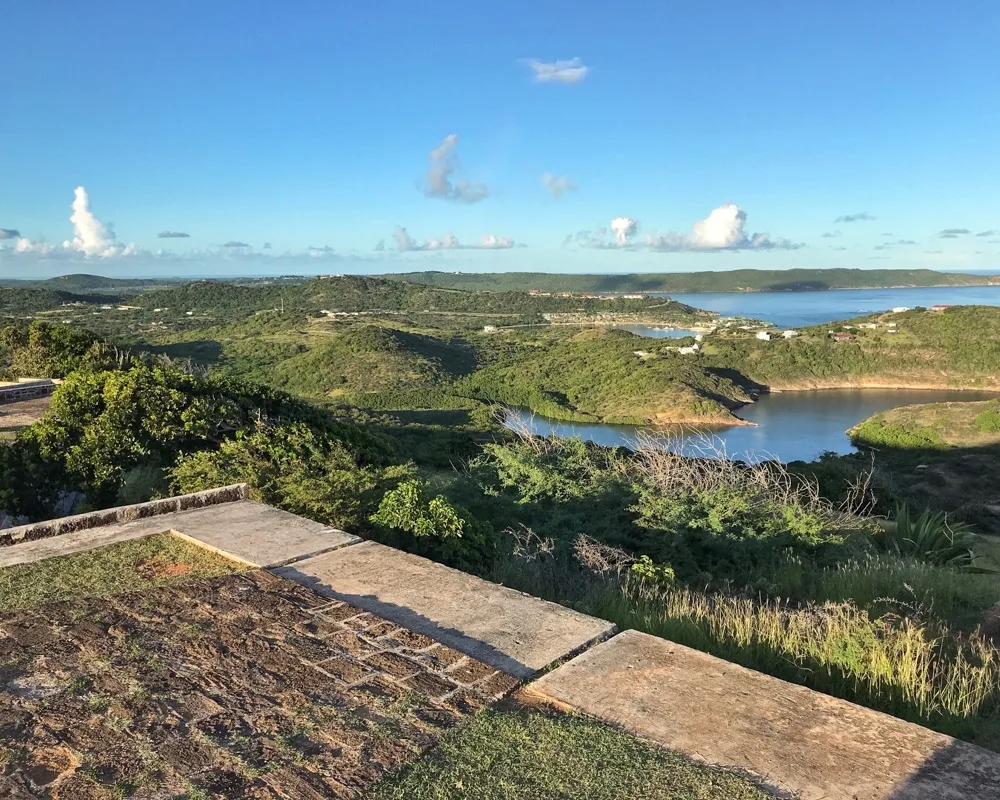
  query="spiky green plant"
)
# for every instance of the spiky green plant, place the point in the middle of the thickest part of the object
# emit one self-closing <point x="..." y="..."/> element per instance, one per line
<point x="931" y="537"/>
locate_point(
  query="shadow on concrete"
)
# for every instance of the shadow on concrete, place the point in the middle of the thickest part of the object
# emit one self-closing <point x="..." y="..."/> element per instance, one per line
<point x="414" y="621"/>
<point x="958" y="771"/>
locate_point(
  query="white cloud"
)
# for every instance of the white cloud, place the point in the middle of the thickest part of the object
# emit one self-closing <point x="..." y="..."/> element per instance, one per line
<point x="406" y="243"/>
<point x="91" y="237"/>
<point x="623" y="229"/>
<point x="723" y="229"/>
<point x="438" y="179"/>
<point x="571" y="70"/>
<point x="492" y="242"/>
<point x="557" y="187"/>
<point x="28" y="246"/>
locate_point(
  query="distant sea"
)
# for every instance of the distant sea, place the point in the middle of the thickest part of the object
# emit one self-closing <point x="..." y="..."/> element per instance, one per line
<point x="799" y="309"/>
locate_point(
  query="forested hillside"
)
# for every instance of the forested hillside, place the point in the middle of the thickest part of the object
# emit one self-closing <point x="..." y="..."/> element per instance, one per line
<point x="740" y="280"/>
<point x="226" y="301"/>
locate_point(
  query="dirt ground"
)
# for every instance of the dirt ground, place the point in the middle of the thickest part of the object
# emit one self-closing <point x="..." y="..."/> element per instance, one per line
<point x="14" y="416"/>
<point x="244" y="685"/>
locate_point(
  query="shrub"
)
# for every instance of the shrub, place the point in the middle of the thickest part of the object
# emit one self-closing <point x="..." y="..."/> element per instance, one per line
<point x="988" y="421"/>
<point x="415" y="519"/>
<point x="876" y="432"/>
<point x="291" y="467"/>
<point x="717" y="519"/>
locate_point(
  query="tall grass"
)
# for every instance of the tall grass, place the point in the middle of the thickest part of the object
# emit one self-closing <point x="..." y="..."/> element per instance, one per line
<point x="914" y="668"/>
<point x="892" y="664"/>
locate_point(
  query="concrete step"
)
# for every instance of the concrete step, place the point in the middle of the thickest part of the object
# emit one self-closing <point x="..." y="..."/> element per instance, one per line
<point x="248" y="531"/>
<point x="796" y="739"/>
<point x="508" y="630"/>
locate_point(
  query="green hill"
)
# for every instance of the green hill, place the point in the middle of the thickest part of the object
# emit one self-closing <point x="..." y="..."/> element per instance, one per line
<point x="932" y="426"/>
<point x="955" y="348"/>
<point x="741" y="280"/>
<point x="26" y="300"/>
<point x="363" y="294"/>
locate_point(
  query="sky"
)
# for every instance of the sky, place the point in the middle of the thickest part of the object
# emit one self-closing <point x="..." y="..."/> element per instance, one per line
<point x="234" y="138"/>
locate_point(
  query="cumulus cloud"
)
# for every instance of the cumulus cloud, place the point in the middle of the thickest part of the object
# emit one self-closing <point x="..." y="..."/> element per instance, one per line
<point x="990" y="232"/>
<point x="316" y="252"/>
<point x="861" y="216"/>
<point x="91" y="237"/>
<point x="832" y="235"/>
<point x="380" y="246"/>
<point x="438" y="179"/>
<point x="267" y="246"/>
<point x="557" y="187"/>
<point x="623" y="229"/>
<point x="570" y="70"/>
<point x="41" y="248"/>
<point x="493" y="242"/>
<point x="723" y="229"/>
<point x="234" y="243"/>
<point x="406" y="243"/>
<point x="953" y="233"/>
<point x="9" y="233"/>
<point x="173" y="235"/>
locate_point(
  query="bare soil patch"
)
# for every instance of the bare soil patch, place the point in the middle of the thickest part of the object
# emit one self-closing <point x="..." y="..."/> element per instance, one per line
<point x="14" y="416"/>
<point x="242" y="685"/>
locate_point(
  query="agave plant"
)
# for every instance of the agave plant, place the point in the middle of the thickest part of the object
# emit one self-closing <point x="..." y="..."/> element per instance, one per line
<point x="931" y="537"/>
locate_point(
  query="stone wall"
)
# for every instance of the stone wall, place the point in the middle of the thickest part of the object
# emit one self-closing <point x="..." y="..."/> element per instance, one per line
<point x="123" y="514"/>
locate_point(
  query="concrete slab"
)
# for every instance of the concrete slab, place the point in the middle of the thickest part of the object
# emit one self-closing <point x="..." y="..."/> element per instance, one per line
<point x="800" y="741"/>
<point x="248" y="531"/>
<point x="508" y="630"/>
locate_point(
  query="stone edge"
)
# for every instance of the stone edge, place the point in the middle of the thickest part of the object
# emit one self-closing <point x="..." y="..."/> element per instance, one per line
<point x="123" y="514"/>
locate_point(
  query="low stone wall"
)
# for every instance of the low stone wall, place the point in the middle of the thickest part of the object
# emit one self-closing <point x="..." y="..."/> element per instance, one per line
<point x="123" y="514"/>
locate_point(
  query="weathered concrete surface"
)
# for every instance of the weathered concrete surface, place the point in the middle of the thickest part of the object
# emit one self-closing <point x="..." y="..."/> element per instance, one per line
<point x="798" y="740"/>
<point x="123" y="514"/>
<point x="245" y="530"/>
<point x="508" y="630"/>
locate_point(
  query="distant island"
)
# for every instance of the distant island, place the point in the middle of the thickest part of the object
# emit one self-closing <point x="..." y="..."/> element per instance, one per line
<point x="741" y="280"/>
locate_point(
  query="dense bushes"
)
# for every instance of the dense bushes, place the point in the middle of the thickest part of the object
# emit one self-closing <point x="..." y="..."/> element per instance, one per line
<point x="102" y="424"/>
<point x="877" y="432"/>
<point x="292" y="467"/>
<point x="41" y="350"/>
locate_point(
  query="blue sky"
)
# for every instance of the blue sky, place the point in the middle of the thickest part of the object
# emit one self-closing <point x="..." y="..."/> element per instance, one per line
<point x="714" y="134"/>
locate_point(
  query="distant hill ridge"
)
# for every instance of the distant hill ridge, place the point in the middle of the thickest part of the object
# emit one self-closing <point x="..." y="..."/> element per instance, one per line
<point x="742" y="280"/>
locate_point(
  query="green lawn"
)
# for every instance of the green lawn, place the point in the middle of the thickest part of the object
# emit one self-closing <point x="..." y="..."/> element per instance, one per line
<point x="541" y="755"/>
<point x="122" y="567"/>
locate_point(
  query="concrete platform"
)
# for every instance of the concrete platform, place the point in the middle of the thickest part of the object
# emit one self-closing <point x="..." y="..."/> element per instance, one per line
<point x="508" y="630"/>
<point x="798" y="740"/>
<point x="248" y="531"/>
